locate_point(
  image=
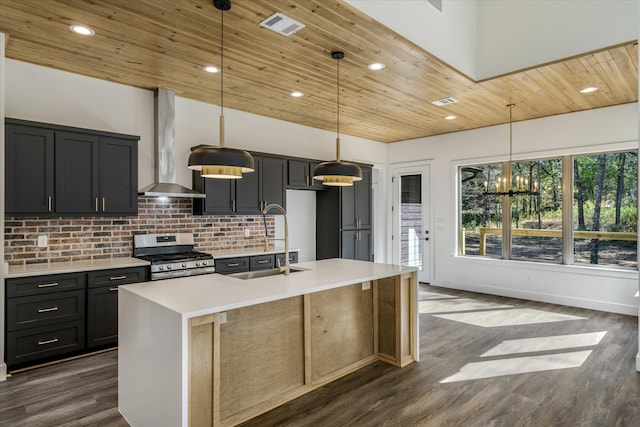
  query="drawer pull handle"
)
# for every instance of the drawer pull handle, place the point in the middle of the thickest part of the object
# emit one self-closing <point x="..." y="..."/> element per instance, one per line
<point x="49" y="203"/>
<point x="117" y="277"/>
<point x="48" y="285"/>
<point x="46" y="310"/>
<point x="263" y="261"/>
<point x="113" y="289"/>
<point x="233" y="264"/>
<point x="48" y="341"/>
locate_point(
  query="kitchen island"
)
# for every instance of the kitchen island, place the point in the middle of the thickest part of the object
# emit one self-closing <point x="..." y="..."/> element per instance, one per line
<point x="218" y="350"/>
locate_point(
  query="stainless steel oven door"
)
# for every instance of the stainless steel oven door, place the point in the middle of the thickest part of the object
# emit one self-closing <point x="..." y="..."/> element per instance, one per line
<point x="182" y="273"/>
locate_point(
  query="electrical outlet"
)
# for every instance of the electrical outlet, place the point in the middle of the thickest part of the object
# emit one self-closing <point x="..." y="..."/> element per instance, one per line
<point x="223" y="317"/>
<point x="247" y="232"/>
<point x="366" y="286"/>
<point x="43" y="241"/>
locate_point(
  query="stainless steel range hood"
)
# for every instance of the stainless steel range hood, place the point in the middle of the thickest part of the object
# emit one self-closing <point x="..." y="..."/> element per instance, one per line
<point x="165" y="184"/>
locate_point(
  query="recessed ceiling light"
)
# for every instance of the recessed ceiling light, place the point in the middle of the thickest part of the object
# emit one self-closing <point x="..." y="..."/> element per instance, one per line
<point x="296" y="94"/>
<point x="451" y="117"/>
<point x="589" y="89"/>
<point x="211" y="69"/>
<point x="82" y="30"/>
<point x="376" y="66"/>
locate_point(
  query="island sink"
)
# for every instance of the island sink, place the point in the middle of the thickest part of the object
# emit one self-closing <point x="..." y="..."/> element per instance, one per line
<point x="245" y="275"/>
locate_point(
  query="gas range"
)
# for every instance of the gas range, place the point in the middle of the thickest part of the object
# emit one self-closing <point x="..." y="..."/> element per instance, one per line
<point x="172" y="255"/>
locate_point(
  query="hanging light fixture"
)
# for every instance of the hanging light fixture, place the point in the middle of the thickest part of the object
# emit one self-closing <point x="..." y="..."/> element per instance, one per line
<point x="221" y="162"/>
<point x="337" y="173"/>
<point x="504" y="186"/>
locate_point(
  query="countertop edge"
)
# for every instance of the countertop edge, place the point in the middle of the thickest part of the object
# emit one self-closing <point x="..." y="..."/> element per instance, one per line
<point x="44" y="269"/>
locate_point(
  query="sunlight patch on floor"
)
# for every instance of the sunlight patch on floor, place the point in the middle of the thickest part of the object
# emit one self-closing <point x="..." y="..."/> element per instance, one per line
<point x="458" y="304"/>
<point x="519" y="365"/>
<point x="529" y="345"/>
<point x="509" y="317"/>
<point x="426" y="295"/>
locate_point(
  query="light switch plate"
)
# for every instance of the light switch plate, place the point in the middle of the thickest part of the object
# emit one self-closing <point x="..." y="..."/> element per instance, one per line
<point x="247" y="232"/>
<point x="43" y="241"/>
<point x="223" y="317"/>
<point x="366" y="286"/>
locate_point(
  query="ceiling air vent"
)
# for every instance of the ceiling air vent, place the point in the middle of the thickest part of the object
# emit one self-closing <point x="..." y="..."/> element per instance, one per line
<point x="436" y="3"/>
<point x="282" y="24"/>
<point x="444" y="101"/>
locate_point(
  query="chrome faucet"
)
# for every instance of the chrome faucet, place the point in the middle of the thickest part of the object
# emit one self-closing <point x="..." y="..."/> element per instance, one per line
<point x="287" y="268"/>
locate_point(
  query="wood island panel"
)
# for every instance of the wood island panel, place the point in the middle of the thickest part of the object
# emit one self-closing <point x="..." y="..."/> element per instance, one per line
<point x="341" y="329"/>
<point x="387" y="318"/>
<point x="204" y="385"/>
<point x="261" y="354"/>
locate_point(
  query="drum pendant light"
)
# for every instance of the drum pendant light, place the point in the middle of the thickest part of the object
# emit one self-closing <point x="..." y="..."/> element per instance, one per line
<point x="337" y="173"/>
<point x="221" y="162"/>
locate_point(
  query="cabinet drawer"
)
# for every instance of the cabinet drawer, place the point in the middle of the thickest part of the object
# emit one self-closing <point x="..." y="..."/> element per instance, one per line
<point x="38" y="343"/>
<point x="293" y="258"/>
<point x="261" y="262"/>
<point x="116" y="276"/>
<point x="40" y="310"/>
<point x="232" y="265"/>
<point x="36" y="285"/>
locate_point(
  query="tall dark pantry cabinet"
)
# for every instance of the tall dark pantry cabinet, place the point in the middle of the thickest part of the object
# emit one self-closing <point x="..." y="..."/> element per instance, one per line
<point x="343" y="220"/>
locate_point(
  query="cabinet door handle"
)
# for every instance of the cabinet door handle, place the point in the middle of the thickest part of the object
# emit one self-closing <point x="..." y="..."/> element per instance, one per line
<point x="48" y="285"/>
<point x="46" y="310"/>
<point x="233" y="264"/>
<point x="117" y="277"/>
<point x="113" y="289"/>
<point x="359" y="236"/>
<point x="96" y="207"/>
<point x="233" y="206"/>
<point x="263" y="261"/>
<point x="48" y="341"/>
<point x="50" y="204"/>
<point x="104" y="205"/>
<point x="307" y="179"/>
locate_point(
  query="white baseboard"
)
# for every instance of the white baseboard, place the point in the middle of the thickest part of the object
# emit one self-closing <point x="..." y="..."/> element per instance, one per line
<point x="638" y="362"/>
<point x="609" y="307"/>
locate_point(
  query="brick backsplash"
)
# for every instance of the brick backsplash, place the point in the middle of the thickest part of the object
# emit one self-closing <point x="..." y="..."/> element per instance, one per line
<point x="86" y="238"/>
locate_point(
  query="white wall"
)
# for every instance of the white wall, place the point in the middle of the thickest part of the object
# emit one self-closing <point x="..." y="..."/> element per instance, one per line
<point x="450" y="35"/>
<point x="588" y="131"/>
<point x="43" y="94"/>
<point x="517" y="34"/>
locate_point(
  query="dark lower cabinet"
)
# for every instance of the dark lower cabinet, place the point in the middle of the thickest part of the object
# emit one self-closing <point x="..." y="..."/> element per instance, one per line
<point x="251" y="263"/>
<point x="102" y="302"/>
<point x="49" y="317"/>
<point x="356" y="244"/>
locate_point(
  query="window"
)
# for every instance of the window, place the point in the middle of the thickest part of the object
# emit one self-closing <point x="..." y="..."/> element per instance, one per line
<point x="605" y="214"/>
<point x="601" y="216"/>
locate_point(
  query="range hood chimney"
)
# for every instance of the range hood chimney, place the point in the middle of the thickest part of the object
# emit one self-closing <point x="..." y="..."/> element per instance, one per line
<point x="165" y="184"/>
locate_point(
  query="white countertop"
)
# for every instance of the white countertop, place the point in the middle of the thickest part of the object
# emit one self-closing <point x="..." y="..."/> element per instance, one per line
<point x="73" y="266"/>
<point x="212" y="293"/>
<point x="229" y="253"/>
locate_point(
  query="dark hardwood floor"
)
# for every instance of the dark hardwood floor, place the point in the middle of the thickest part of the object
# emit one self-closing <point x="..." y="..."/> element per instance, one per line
<point x="603" y="391"/>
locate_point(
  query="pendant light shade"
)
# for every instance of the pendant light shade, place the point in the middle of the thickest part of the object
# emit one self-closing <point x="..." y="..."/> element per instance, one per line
<point x="221" y="162"/>
<point x="337" y="173"/>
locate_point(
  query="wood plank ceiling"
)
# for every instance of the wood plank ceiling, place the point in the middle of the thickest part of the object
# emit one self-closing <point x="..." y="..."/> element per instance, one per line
<point x="165" y="43"/>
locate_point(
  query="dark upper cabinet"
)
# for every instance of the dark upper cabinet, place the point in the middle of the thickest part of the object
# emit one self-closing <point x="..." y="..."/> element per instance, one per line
<point x="356" y="203"/>
<point x="29" y="166"/>
<point x="301" y="175"/>
<point x="273" y="181"/>
<point x="77" y="179"/>
<point x="248" y="195"/>
<point x="71" y="171"/>
<point x="118" y="176"/>
<point x="343" y="220"/>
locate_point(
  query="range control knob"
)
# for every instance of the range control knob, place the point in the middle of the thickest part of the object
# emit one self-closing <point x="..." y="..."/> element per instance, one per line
<point x="184" y="265"/>
<point x="197" y="263"/>
<point x="169" y="267"/>
<point x="204" y="262"/>
<point x="161" y="267"/>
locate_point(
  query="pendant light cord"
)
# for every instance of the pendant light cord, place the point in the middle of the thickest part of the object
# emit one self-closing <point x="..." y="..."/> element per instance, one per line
<point x="338" y="98"/>
<point x="221" y="62"/>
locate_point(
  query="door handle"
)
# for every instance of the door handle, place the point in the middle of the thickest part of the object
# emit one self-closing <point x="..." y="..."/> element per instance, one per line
<point x="96" y="204"/>
<point x="104" y="205"/>
<point x="50" y="203"/>
<point x="117" y="277"/>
